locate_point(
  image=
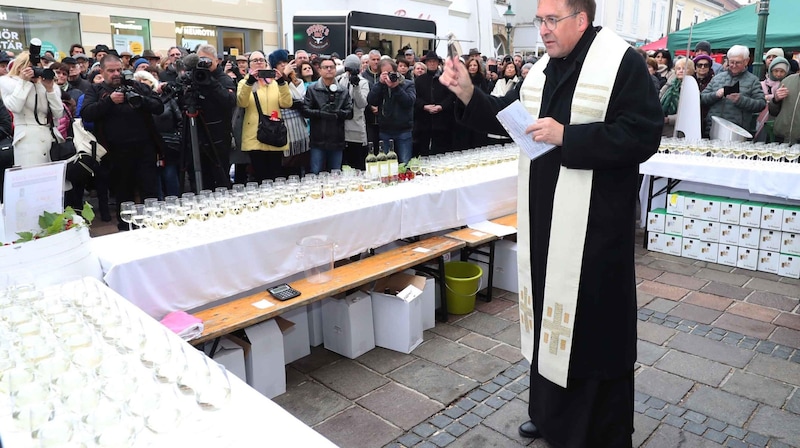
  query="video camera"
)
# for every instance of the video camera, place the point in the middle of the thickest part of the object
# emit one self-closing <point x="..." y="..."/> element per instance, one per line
<point x="35" y="49"/>
<point x="197" y="74"/>
<point x="133" y="98"/>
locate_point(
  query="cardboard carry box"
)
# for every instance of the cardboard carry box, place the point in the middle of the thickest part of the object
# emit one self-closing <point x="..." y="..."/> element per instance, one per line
<point x="347" y="324"/>
<point x="397" y="312"/>
<point x="264" y="364"/>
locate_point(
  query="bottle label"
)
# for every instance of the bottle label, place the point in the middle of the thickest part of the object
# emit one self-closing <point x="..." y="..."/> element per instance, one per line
<point x="384" y="166"/>
<point x="393" y="168"/>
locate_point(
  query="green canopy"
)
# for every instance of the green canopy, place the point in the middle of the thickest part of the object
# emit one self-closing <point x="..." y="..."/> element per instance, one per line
<point x="739" y="28"/>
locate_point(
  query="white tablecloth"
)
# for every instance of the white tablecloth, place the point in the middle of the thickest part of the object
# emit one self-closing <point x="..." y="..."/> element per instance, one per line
<point x="744" y="179"/>
<point x="182" y="269"/>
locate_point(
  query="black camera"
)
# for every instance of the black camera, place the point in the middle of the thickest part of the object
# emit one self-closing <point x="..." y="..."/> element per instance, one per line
<point x="133" y="98"/>
<point x="35" y="49"/>
<point x="201" y="74"/>
<point x="394" y="76"/>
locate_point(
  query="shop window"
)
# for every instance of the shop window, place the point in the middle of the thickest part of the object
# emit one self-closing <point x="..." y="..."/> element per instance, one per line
<point x="190" y="35"/>
<point x="56" y="29"/>
<point x="129" y="34"/>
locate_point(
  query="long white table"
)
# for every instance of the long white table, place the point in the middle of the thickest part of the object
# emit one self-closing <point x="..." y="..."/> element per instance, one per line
<point x="776" y="182"/>
<point x="185" y="268"/>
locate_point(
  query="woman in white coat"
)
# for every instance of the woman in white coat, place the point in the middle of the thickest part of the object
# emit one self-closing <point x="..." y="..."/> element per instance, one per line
<point x="28" y="99"/>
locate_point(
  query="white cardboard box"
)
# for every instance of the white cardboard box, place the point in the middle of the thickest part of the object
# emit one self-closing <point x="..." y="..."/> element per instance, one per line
<point x="672" y="244"/>
<point x="709" y="231"/>
<point x="747" y="258"/>
<point x="750" y="214"/>
<point x="771" y="217"/>
<point x="692" y="228"/>
<point x="673" y="224"/>
<point x="768" y="261"/>
<point x="295" y="338"/>
<point x="749" y="237"/>
<point x="693" y="207"/>
<point x="790" y="243"/>
<point x="727" y="254"/>
<point x="655" y="220"/>
<point x="264" y="366"/>
<point x="347" y="324"/>
<point x="691" y="248"/>
<point x="710" y="208"/>
<point x="315" y="323"/>
<point x="506" y="275"/>
<point x="791" y="219"/>
<point x="675" y="202"/>
<point x="729" y="211"/>
<point x="428" y="310"/>
<point x="230" y="354"/>
<point x="789" y="265"/>
<point x="770" y="240"/>
<point x="708" y="251"/>
<point x="656" y="242"/>
<point x="729" y="234"/>
<point x="398" y="318"/>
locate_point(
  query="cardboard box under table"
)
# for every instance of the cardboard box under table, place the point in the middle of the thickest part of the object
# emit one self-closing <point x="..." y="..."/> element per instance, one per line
<point x="264" y="364"/>
<point x="396" y="312"/>
<point x="347" y="324"/>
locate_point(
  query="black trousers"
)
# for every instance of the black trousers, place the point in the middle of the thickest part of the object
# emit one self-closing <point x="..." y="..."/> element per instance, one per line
<point x="134" y="169"/>
<point x="355" y="155"/>
<point x="266" y="164"/>
<point x="373" y="135"/>
<point x="429" y="142"/>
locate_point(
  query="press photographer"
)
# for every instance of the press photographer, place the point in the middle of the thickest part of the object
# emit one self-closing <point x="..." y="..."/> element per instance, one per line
<point x="355" y="132"/>
<point x="394" y="96"/>
<point x="207" y="93"/>
<point x="122" y="111"/>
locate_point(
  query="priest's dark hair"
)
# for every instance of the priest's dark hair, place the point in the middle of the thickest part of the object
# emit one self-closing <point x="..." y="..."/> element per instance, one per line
<point x="587" y="6"/>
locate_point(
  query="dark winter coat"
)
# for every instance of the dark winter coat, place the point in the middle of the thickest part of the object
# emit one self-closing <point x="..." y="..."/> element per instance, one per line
<point x="395" y="105"/>
<point x="327" y="111"/>
<point x="430" y="91"/>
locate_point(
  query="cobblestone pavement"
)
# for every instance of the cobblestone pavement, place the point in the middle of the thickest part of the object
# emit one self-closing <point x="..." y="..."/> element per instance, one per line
<point x="718" y="365"/>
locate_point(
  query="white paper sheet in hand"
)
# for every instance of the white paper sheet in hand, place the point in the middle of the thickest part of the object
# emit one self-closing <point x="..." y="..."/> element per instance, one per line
<point x="516" y="119"/>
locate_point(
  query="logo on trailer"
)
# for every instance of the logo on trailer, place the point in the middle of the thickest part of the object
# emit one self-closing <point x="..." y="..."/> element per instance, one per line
<point x="318" y="36"/>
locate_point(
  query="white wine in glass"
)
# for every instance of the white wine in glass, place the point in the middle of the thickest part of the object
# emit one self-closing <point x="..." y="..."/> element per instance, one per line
<point x="126" y="212"/>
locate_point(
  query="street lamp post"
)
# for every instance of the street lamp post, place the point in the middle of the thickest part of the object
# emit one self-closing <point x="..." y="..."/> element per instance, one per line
<point x="761" y="36"/>
<point x="509" y="15"/>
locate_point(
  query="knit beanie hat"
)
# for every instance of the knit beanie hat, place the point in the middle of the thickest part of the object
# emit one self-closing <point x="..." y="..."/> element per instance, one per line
<point x="352" y="62"/>
<point x="777" y="52"/>
<point x="278" y="56"/>
<point x="703" y="45"/>
<point x="703" y="57"/>
<point x="139" y="62"/>
<point x="778" y="62"/>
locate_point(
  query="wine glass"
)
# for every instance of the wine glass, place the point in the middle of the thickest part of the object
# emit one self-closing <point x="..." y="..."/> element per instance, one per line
<point x="215" y="393"/>
<point x="126" y="211"/>
<point x="139" y="215"/>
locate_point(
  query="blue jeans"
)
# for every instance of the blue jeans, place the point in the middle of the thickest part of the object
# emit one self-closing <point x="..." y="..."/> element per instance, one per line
<point x="168" y="179"/>
<point x="325" y="160"/>
<point x="402" y="144"/>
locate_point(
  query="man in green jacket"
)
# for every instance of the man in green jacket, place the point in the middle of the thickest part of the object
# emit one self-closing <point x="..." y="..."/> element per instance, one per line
<point x="784" y="106"/>
<point x="738" y="107"/>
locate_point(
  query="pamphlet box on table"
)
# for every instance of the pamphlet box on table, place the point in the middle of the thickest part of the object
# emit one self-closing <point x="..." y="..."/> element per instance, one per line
<point x="727" y="254"/>
<point x="398" y="319"/>
<point x="770" y="240"/>
<point x="768" y="261"/>
<point x="347" y="324"/>
<point x="264" y="364"/>
<point x="729" y="234"/>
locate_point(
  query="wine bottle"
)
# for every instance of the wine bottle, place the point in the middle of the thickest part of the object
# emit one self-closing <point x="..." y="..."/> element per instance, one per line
<point x="371" y="163"/>
<point x="391" y="157"/>
<point x="383" y="164"/>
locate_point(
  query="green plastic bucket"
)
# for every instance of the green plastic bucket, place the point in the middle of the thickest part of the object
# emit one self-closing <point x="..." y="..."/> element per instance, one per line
<point x="463" y="282"/>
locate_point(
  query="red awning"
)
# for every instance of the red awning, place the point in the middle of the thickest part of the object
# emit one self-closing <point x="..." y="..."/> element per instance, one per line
<point x="660" y="44"/>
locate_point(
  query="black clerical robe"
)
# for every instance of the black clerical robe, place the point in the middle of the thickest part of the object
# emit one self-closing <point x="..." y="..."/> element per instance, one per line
<point x="596" y="408"/>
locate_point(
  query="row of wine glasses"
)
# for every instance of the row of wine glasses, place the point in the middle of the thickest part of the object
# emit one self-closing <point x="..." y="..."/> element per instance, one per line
<point x="757" y="151"/>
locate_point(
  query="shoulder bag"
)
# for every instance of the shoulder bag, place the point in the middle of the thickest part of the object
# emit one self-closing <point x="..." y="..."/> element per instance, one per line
<point x="271" y="131"/>
<point x="81" y="166"/>
<point x="6" y="150"/>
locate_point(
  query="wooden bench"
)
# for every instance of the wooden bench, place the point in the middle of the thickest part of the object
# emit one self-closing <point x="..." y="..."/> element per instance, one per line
<point x="475" y="241"/>
<point x="241" y="313"/>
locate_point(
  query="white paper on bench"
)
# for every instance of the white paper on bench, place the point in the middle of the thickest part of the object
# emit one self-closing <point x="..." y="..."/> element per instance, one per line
<point x="493" y="228"/>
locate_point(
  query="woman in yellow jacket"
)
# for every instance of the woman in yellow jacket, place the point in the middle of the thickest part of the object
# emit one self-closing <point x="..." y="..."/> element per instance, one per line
<point x="273" y="94"/>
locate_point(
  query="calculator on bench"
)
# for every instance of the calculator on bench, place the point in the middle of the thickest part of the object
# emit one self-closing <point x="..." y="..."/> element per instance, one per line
<point x="283" y="292"/>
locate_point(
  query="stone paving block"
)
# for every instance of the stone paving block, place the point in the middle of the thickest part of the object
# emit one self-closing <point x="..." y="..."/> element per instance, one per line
<point x="790" y="320"/>
<point x="319" y="357"/>
<point x="507" y="419"/>
<point x="349" y="378"/>
<point x="510" y="314"/>
<point x="653" y="333"/>
<point x="671" y="266"/>
<point x="670" y="437"/>
<point x="484" y="324"/>
<point x="433" y="381"/>
<point x="478" y="395"/>
<point x="506" y="352"/>
<point x="642" y="299"/>
<point x="735" y="432"/>
<point x="776" y="287"/>
<point x="656" y="403"/>
<point x="494" y="307"/>
<point x="723" y="277"/>
<point x="424" y="430"/>
<point x="695" y="428"/>
<point x="757" y="312"/>
<point x="470" y="420"/>
<point x="455" y="412"/>
<point x="456" y="429"/>
<point x="715" y="424"/>
<point x="756" y="439"/>
<point x="401" y="406"/>
<point x="449" y="331"/>
<point x="661" y="290"/>
<point x="478" y="342"/>
<point x="510" y="336"/>
<point x="490" y="387"/>
<point x="695" y="313"/>
<point x="783" y="352"/>
<point x="483" y="410"/>
<point x="777" y="423"/>
<point x="441" y="351"/>
<point x="744" y="325"/>
<point x="693" y="367"/>
<point x="670" y="388"/>
<point x="675" y="421"/>
<point x="383" y="360"/>
<point x="676" y="411"/>
<point x="655" y="413"/>
<point x="766" y="347"/>
<point x="683" y="281"/>
<point x="358" y="428"/>
<point x="794" y="403"/>
<point x="440" y="421"/>
<point x="714" y="336"/>
<point x="775" y="368"/>
<point x="484" y="437"/>
<point x="507" y="395"/>
<point x="311" y="402"/>
<point x="736" y="444"/>
<point x="711" y="301"/>
<point x="758" y="388"/>
<point x="772" y="300"/>
<point x="639" y="396"/>
<point x="726" y="290"/>
<point x="647" y="353"/>
<point x="516" y="387"/>
<point x="715" y="436"/>
<point x="640" y="407"/>
<point x="721" y="405"/>
<point x="479" y="366"/>
<point x="647" y="272"/>
<point x="425" y="444"/>
<point x="442" y="439"/>
<point x="409" y="439"/>
<point x="495" y="402"/>
<point x="643" y="426"/>
<point x="710" y="349"/>
<point x="501" y="380"/>
<point x="786" y="337"/>
<point x="694" y="417"/>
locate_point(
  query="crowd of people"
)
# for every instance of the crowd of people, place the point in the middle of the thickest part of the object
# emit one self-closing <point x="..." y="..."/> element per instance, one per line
<point x="730" y="90"/>
<point x="144" y="109"/>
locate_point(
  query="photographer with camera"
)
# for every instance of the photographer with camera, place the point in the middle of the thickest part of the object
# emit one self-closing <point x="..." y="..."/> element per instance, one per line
<point x="394" y="97"/>
<point x="355" y="131"/>
<point x="29" y="92"/>
<point x="122" y="111"/>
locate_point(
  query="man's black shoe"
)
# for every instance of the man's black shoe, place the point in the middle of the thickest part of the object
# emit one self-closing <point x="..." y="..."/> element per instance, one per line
<point x="529" y="430"/>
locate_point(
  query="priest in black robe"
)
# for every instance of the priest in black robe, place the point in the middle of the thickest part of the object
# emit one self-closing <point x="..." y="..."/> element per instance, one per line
<point x="594" y="405"/>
